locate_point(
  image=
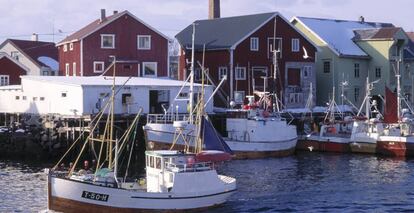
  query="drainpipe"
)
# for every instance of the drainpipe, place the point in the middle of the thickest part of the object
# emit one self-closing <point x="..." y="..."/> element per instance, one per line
<point x="231" y="74"/>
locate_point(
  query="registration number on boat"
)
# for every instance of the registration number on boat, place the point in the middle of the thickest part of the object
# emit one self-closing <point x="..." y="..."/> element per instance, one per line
<point x="95" y="196"/>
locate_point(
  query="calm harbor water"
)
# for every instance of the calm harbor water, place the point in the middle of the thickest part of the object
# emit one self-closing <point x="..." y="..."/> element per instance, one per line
<point x="306" y="182"/>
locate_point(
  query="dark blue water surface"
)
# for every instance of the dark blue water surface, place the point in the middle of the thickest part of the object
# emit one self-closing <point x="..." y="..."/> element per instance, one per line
<point x="305" y="182"/>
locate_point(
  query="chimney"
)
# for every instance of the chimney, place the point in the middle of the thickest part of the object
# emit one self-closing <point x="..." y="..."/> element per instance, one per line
<point x="35" y="37"/>
<point x="103" y="16"/>
<point x="361" y="19"/>
<point x="213" y="9"/>
<point x="115" y="12"/>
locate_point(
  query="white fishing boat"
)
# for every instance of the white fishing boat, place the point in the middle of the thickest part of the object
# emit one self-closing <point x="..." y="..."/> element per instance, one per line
<point x="174" y="180"/>
<point x="254" y="131"/>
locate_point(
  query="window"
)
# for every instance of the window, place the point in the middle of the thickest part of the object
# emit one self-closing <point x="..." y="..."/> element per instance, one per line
<point x="98" y="66"/>
<point x="15" y="55"/>
<point x="17" y="97"/>
<point x="307" y="71"/>
<point x="183" y="95"/>
<point x="274" y="44"/>
<point x="64" y="94"/>
<point x="24" y="98"/>
<point x="71" y="46"/>
<point x="222" y="71"/>
<point x="144" y="42"/>
<point x="45" y="72"/>
<point x="326" y="66"/>
<point x="74" y="68"/>
<point x="107" y="41"/>
<point x="295" y="45"/>
<point x="356" y="70"/>
<point x="254" y="44"/>
<point x="240" y="73"/>
<point x="42" y="98"/>
<point x="65" y="48"/>
<point x="4" y="80"/>
<point x="239" y="97"/>
<point x="150" y="69"/>
<point x="356" y="93"/>
<point x="34" y="98"/>
<point x="378" y="72"/>
<point x="126" y="98"/>
<point x="295" y="98"/>
<point x="67" y="69"/>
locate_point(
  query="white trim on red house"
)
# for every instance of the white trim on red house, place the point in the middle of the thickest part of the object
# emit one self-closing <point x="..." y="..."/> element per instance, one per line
<point x="81" y="58"/>
<point x="143" y="69"/>
<point x="101" y="63"/>
<point x="143" y="36"/>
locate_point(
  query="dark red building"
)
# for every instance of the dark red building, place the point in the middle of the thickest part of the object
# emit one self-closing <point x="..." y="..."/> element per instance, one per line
<point x="140" y="50"/>
<point x="10" y="70"/>
<point x="241" y="48"/>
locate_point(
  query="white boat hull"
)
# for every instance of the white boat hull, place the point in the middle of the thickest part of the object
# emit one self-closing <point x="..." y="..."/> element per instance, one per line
<point x="70" y="196"/>
<point x="160" y="136"/>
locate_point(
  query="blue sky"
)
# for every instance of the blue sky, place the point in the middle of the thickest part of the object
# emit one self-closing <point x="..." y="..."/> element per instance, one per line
<point x="21" y="18"/>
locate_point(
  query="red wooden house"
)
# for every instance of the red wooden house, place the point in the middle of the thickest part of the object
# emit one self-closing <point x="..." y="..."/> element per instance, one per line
<point x="139" y="49"/>
<point x="10" y="70"/>
<point x="241" y="48"/>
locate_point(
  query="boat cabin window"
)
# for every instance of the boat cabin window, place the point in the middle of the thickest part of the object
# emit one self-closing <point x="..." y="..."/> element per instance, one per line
<point x="158" y="163"/>
<point x="151" y="161"/>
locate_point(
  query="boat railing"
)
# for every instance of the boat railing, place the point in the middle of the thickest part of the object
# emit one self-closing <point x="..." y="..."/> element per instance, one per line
<point x="188" y="167"/>
<point x="166" y="118"/>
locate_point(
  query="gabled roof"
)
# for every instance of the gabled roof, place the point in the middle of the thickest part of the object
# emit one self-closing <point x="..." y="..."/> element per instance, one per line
<point x="18" y="63"/>
<point x="222" y="33"/>
<point x="339" y="34"/>
<point x="97" y="24"/>
<point x="35" y="50"/>
<point x="385" y="33"/>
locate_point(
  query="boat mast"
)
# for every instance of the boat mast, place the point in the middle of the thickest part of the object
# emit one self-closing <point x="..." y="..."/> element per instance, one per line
<point x="111" y="130"/>
<point x="368" y="98"/>
<point x="192" y="75"/>
<point x="398" y="75"/>
<point x="275" y="67"/>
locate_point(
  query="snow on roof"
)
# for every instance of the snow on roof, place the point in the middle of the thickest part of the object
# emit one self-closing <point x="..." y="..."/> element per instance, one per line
<point x="106" y="81"/>
<point x="338" y="34"/>
<point x="50" y="62"/>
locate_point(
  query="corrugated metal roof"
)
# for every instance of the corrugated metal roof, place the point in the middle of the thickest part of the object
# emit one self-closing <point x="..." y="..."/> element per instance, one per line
<point x="339" y="34"/>
<point x="221" y="33"/>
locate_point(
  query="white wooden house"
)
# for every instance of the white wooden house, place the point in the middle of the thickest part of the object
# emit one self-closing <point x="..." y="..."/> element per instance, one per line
<point x="78" y="96"/>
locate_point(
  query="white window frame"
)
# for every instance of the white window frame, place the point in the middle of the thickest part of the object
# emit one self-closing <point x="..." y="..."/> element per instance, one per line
<point x="280" y="40"/>
<point x="222" y="71"/>
<point x="65" y="48"/>
<point x="96" y="63"/>
<point x="295" y="44"/>
<point x="308" y="71"/>
<point x="71" y="46"/>
<point x="254" y="44"/>
<point x="295" y="98"/>
<point x="148" y="63"/>
<point x="144" y="36"/>
<point x="243" y="95"/>
<point x="4" y="80"/>
<point x="113" y="41"/>
<point x="74" y="69"/>
<point x="239" y="76"/>
<point x="67" y="69"/>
